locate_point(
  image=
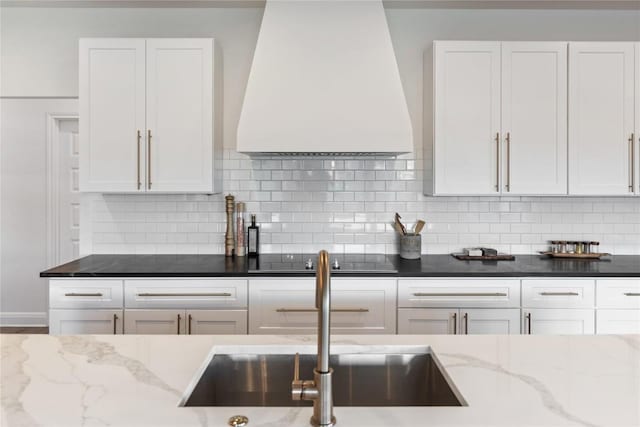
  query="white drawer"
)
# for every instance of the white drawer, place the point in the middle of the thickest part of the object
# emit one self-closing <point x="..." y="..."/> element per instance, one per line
<point x="89" y="293"/>
<point x="287" y="306"/>
<point x="185" y="293"/>
<point x="558" y="293"/>
<point x="495" y="293"/>
<point x="618" y="293"/>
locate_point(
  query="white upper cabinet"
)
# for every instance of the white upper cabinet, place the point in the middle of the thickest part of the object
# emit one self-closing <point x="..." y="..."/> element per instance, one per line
<point x="601" y="118"/>
<point x="636" y="144"/>
<point x="150" y="115"/>
<point x="179" y="114"/>
<point x="534" y="117"/>
<point x="112" y="114"/>
<point x="467" y="117"/>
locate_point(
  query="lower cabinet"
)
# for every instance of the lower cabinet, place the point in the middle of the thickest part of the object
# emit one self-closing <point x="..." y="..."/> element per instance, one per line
<point x="287" y="306"/>
<point x="458" y="321"/>
<point x="542" y="321"/>
<point x="71" y="322"/>
<point x="618" y="321"/>
<point x="190" y="322"/>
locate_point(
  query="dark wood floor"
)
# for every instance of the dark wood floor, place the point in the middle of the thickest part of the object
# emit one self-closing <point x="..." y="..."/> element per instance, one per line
<point x="24" y="330"/>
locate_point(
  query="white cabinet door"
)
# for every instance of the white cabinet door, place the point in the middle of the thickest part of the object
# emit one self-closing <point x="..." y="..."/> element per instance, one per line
<point x="636" y="144"/>
<point x="112" y="114"/>
<point x="73" y="322"/>
<point x="558" y="322"/>
<point x="601" y="117"/>
<point x="216" y="322"/>
<point x="180" y="115"/>
<point x="499" y="321"/>
<point x="618" y="321"/>
<point x="467" y="117"/>
<point x="149" y="322"/>
<point x="534" y="117"/>
<point x="427" y="321"/>
<point x="287" y="306"/>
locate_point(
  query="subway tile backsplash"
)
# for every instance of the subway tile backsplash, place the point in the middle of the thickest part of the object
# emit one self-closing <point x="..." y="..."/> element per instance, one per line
<point x="346" y="205"/>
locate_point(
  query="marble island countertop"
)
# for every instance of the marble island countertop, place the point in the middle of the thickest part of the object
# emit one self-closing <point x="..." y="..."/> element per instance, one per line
<point x="139" y="380"/>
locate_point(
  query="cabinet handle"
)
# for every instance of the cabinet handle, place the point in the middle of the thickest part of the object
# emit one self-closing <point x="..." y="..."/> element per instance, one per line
<point x="83" y="294"/>
<point x="189" y="324"/>
<point x="632" y="294"/>
<point x="179" y="317"/>
<point x="631" y="159"/>
<point x="508" y="184"/>
<point x="138" y="162"/>
<point x="564" y="294"/>
<point x="315" y="310"/>
<point x="528" y="322"/>
<point x="455" y="323"/>
<point x="497" y="139"/>
<point x="466" y="323"/>
<point x="196" y="294"/>
<point x="115" y="323"/>
<point x="461" y="294"/>
<point x="149" y="159"/>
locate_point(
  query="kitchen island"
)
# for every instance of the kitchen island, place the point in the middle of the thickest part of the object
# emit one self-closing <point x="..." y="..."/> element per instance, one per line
<point x="140" y="380"/>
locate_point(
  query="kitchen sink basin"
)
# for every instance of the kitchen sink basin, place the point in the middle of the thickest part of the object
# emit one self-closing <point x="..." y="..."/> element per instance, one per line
<point x="359" y="379"/>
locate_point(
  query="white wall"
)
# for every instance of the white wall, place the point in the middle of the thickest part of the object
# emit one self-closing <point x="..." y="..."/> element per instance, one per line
<point x="334" y="207"/>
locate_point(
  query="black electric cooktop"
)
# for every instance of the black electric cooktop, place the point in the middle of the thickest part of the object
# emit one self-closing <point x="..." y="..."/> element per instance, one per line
<point x="306" y="263"/>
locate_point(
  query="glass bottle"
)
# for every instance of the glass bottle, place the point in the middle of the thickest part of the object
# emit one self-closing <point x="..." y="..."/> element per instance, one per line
<point x="253" y="238"/>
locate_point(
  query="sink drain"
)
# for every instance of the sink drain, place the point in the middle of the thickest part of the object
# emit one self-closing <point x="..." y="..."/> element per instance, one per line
<point x="238" y="421"/>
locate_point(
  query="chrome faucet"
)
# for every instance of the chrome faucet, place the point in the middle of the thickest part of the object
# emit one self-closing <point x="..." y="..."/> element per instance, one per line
<point x="319" y="390"/>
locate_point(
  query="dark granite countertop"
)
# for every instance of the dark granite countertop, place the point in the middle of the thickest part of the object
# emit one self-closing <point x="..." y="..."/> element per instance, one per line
<point x="427" y="266"/>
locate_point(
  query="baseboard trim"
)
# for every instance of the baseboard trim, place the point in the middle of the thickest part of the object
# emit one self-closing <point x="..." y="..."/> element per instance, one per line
<point x="25" y="318"/>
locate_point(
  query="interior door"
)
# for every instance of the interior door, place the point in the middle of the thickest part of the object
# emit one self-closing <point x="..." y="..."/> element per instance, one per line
<point x="467" y="117"/>
<point x="601" y="117"/>
<point x="152" y="322"/>
<point x="68" y="206"/>
<point x="428" y="321"/>
<point x="112" y="114"/>
<point x="179" y="115"/>
<point x="534" y="117"/>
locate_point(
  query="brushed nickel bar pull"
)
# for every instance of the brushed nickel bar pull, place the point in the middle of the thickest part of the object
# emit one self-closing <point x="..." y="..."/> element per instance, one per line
<point x="564" y="294"/>
<point x="149" y="159"/>
<point x="315" y="310"/>
<point x="461" y="294"/>
<point x="115" y="322"/>
<point x="632" y="294"/>
<point x="83" y="294"/>
<point x="497" y="161"/>
<point x="466" y="323"/>
<point x="179" y="317"/>
<point x="631" y="161"/>
<point x="508" y="184"/>
<point x="528" y="319"/>
<point x="455" y="323"/>
<point x="196" y="294"/>
<point x="138" y="162"/>
<point x="189" y="324"/>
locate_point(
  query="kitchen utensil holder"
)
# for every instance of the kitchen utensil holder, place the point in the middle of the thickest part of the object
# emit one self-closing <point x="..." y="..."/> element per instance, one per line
<point x="410" y="246"/>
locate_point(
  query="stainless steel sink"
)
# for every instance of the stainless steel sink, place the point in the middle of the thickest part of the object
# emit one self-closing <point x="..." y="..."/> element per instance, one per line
<point x="367" y="379"/>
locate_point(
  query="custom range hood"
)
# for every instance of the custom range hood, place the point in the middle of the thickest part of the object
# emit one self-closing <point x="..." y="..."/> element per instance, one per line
<point x="324" y="81"/>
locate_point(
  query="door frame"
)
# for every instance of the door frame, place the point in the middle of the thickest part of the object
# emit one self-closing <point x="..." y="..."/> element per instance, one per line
<point x="53" y="191"/>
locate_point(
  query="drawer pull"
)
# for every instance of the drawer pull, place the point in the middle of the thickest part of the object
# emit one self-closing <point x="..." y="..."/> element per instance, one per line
<point x="528" y="325"/>
<point x="314" y="310"/>
<point x="178" y="323"/>
<point x="632" y="294"/>
<point x="461" y="294"/>
<point x="455" y="323"/>
<point x="561" y="294"/>
<point x="197" y="294"/>
<point x="83" y="294"/>
<point x="115" y="324"/>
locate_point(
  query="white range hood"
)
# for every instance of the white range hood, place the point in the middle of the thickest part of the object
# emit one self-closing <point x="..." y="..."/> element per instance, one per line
<point x="324" y="80"/>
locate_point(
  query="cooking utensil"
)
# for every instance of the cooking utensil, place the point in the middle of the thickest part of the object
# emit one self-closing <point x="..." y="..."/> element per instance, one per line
<point x="418" y="227"/>
<point x="398" y="228"/>
<point x="397" y="218"/>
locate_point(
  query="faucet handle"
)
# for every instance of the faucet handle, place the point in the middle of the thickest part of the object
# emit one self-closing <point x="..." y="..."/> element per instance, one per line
<point x="296" y="384"/>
